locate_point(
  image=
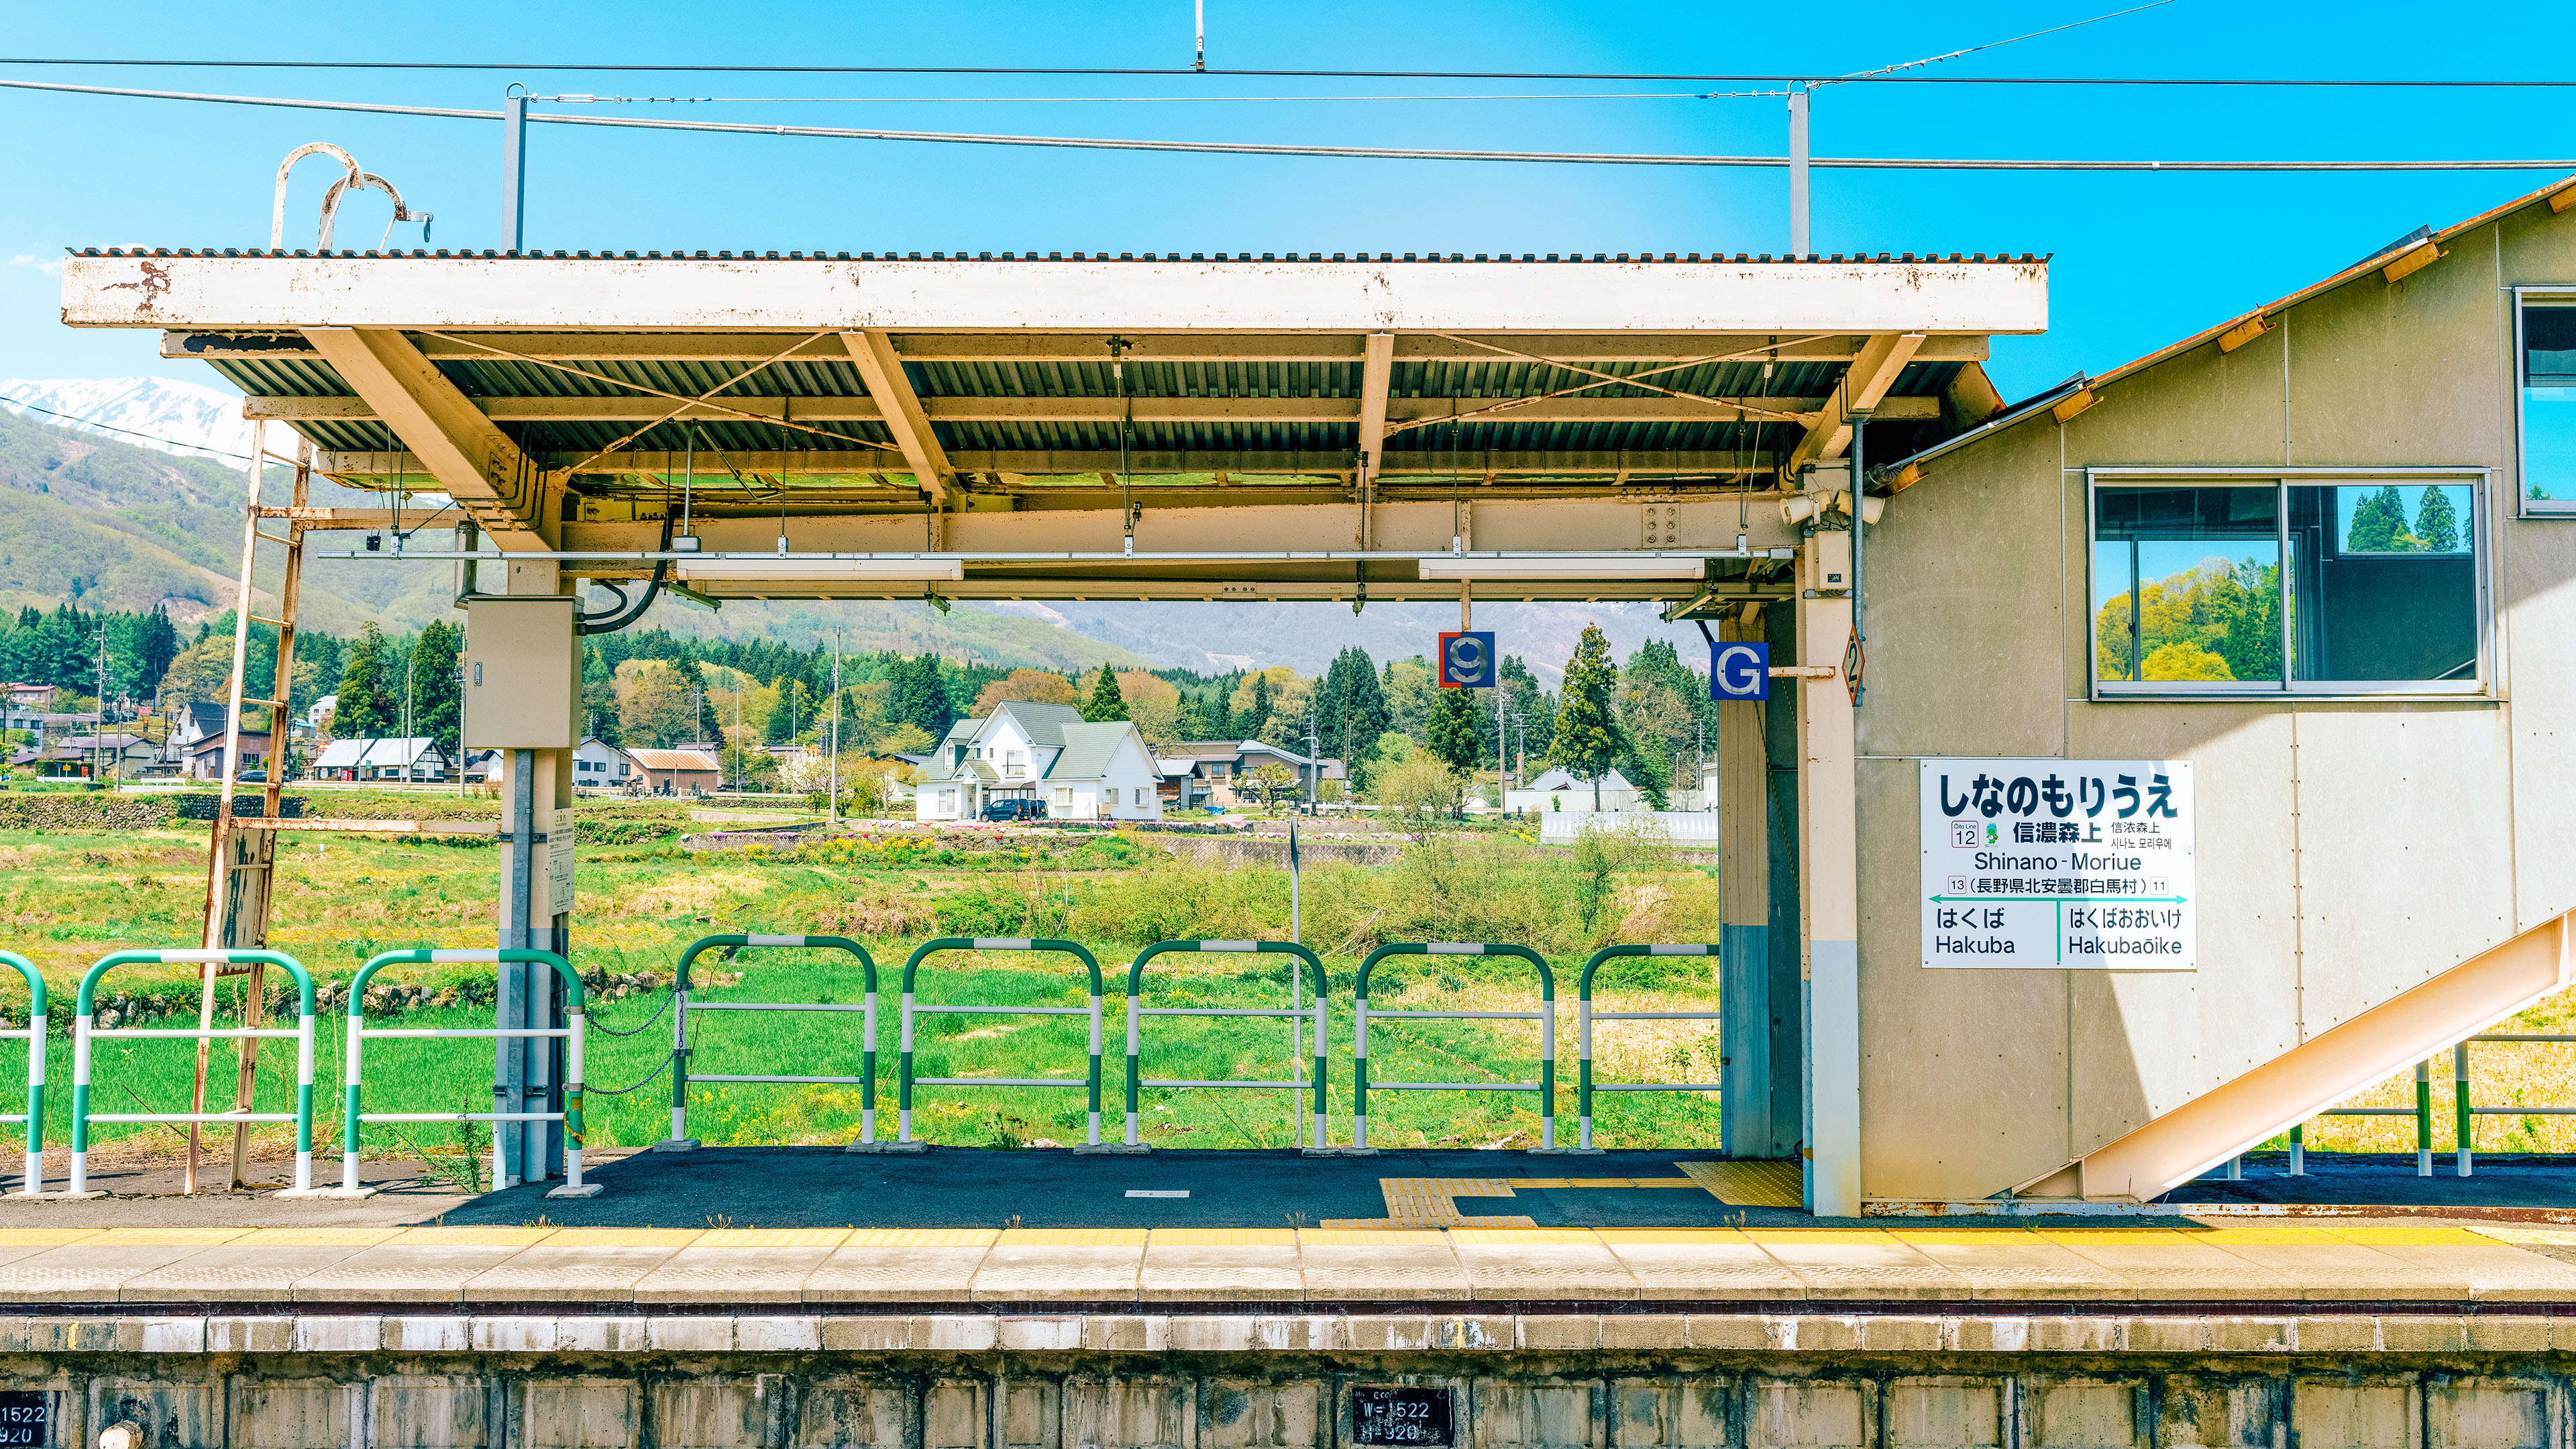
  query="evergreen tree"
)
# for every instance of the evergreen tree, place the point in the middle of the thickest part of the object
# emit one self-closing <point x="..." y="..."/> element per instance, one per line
<point x="437" y="695"/>
<point x="921" y="699"/>
<point x="1364" y="713"/>
<point x="1257" y="717"/>
<point x="1454" y="733"/>
<point x="2379" y="524"/>
<point x="1105" y="703"/>
<point x="2437" y="523"/>
<point x="1587" y="736"/>
<point x="365" y="710"/>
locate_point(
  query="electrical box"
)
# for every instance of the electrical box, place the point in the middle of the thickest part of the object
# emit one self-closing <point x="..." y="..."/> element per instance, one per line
<point x="522" y="668"/>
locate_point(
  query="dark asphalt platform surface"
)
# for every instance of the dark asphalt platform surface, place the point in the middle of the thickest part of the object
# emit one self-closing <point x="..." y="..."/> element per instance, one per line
<point x="2497" y="1180"/>
<point x="798" y="1187"/>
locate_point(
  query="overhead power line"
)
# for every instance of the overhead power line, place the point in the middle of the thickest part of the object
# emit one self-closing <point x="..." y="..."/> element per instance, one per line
<point x="1376" y="153"/>
<point x="1184" y="71"/>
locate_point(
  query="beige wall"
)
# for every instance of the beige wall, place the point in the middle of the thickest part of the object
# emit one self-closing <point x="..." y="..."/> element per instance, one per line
<point x="2347" y="850"/>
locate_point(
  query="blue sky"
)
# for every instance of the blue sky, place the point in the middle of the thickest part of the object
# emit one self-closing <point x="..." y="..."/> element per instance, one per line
<point x="2140" y="260"/>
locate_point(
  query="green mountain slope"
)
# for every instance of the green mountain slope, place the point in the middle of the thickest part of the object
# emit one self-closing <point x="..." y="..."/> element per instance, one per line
<point x="114" y="526"/>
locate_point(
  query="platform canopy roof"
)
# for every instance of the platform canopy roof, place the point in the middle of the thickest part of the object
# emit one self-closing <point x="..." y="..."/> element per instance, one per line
<point x="1353" y="408"/>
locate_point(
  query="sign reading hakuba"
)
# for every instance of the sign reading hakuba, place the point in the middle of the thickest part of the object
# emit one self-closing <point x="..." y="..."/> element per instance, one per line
<point x="2058" y="864"/>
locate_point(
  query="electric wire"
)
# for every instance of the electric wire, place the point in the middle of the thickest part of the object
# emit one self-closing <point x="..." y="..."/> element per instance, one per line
<point x="1274" y="73"/>
<point x="84" y="423"/>
<point x="1384" y="153"/>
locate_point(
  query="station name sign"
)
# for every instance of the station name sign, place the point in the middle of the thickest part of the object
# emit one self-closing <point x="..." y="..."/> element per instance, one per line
<point x="2058" y="864"/>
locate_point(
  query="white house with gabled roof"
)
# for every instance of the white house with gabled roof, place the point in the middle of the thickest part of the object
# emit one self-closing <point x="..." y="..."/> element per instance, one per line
<point x="1045" y="752"/>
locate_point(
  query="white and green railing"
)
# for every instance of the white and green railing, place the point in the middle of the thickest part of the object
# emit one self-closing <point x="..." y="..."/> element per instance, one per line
<point x="33" y="1034"/>
<point x="682" y="1048"/>
<point x="905" y="1081"/>
<point x="573" y="1033"/>
<point x="1585" y="1016"/>
<point x="1295" y="1014"/>
<point x="85" y="1031"/>
<point x="1545" y="1016"/>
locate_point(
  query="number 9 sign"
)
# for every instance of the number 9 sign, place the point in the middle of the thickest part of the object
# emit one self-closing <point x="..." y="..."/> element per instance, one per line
<point x="1739" y="671"/>
<point x="1467" y="660"/>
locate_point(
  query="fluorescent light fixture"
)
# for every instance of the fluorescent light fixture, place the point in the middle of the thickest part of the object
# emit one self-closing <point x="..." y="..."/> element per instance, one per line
<point x="818" y="568"/>
<point x="1561" y="566"/>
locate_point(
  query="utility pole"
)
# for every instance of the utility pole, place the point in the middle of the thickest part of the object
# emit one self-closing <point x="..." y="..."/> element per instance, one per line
<point x="98" y="726"/>
<point x="411" y="656"/>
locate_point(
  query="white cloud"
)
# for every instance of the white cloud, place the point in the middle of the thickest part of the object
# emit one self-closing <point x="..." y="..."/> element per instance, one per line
<point x="51" y="267"/>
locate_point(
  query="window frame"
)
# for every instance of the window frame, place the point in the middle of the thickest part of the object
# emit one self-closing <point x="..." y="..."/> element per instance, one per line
<point x="2526" y="506"/>
<point x="2281" y="480"/>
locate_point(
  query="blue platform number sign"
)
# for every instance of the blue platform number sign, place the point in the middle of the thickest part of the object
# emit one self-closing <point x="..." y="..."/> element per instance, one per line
<point x="26" y="1417"/>
<point x="1739" y="671"/>
<point x="1467" y="660"/>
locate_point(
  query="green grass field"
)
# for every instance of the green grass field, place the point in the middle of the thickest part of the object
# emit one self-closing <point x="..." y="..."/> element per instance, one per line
<point x="66" y="900"/>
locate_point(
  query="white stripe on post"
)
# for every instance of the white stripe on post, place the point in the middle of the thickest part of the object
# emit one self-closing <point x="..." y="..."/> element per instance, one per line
<point x="1678" y="951"/>
<point x="465" y="954"/>
<point x="1000" y="943"/>
<point x="1455" y="948"/>
<point x="1226" y="945"/>
<point x="782" y="940"/>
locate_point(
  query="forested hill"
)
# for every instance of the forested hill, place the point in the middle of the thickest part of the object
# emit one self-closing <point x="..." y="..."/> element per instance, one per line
<point x="108" y="526"/>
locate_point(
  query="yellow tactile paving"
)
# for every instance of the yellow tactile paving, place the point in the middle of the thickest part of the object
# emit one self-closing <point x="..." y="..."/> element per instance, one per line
<point x="1750" y="1184"/>
<point x="1681" y="1237"/>
<point x="624" y="1237"/>
<point x="317" y="1237"/>
<point x="474" y="1237"/>
<point x="2411" y="1237"/>
<point x="1431" y="1221"/>
<point x="1331" y="1237"/>
<point x="1964" y="1237"/>
<point x="165" y="1237"/>
<point x="2515" y="1233"/>
<point x="1522" y="1235"/>
<point x="1821" y="1237"/>
<point x="922" y="1238"/>
<point x="773" y="1238"/>
<point x="2268" y="1237"/>
<point x="1535" y="1182"/>
<point x="1225" y="1237"/>
<point x="44" y="1237"/>
<point x="1071" y="1238"/>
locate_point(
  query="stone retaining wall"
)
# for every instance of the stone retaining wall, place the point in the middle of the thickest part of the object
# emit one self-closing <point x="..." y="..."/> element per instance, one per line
<point x="1070" y="1380"/>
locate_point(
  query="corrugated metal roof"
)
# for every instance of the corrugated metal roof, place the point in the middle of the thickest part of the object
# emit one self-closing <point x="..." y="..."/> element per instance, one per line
<point x="1354" y="258"/>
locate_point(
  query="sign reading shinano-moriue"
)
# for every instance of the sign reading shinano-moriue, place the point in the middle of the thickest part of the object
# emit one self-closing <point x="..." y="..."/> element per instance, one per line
<point x="2058" y="863"/>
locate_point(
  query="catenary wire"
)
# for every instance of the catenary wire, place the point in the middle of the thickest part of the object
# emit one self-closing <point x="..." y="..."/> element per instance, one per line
<point x="1488" y="75"/>
<point x="1388" y="153"/>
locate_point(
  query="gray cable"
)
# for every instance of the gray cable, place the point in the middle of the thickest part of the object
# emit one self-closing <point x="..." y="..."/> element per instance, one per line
<point x="1381" y="153"/>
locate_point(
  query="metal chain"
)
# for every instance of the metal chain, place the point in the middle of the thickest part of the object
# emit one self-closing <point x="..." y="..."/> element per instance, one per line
<point x="598" y="1025"/>
<point x="591" y="1091"/>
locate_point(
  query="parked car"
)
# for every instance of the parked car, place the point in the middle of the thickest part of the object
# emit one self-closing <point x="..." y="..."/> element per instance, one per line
<point x="1015" y="809"/>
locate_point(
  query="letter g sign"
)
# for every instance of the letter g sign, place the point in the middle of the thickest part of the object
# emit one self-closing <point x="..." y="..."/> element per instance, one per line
<point x="1739" y="672"/>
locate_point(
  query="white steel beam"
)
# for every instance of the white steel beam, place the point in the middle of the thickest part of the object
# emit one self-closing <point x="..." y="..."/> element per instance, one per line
<point x="1377" y="373"/>
<point x="1078" y="347"/>
<point x="644" y="408"/>
<point x="1864" y="386"/>
<point x="1036" y="463"/>
<point x="528" y="294"/>
<point x="874" y="352"/>
<point x="506" y="492"/>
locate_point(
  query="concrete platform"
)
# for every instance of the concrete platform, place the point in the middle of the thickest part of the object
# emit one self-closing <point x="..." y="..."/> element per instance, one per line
<point x="1884" y="1270"/>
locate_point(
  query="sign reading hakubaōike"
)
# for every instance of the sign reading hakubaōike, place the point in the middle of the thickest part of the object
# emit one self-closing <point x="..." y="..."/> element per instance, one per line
<point x="2055" y="864"/>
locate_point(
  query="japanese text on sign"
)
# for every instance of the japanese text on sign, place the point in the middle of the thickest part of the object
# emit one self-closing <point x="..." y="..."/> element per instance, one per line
<point x="2058" y="864"/>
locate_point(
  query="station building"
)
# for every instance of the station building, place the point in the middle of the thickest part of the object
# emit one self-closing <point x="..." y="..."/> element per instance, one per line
<point x="2323" y="552"/>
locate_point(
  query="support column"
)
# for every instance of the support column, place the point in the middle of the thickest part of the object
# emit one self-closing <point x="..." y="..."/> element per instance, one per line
<point x="1829" y="880"/>
<point x="1744" y="895"/>
<point x="522" y="697"/>
<point x="1788" y="1084"/>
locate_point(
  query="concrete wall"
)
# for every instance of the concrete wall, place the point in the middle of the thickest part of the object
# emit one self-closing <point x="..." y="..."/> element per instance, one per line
<point x="2348" y="850"/>
<point x="1562" y="1381"/>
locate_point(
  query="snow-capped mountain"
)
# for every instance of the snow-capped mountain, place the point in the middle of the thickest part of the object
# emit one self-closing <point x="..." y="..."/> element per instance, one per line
<point x="175" y="417"/>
